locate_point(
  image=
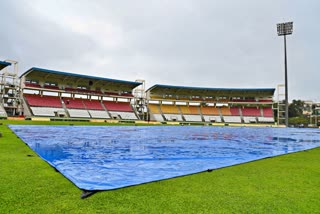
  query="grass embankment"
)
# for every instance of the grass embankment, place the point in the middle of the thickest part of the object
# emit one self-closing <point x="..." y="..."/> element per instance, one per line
<point x="286" y="184"/>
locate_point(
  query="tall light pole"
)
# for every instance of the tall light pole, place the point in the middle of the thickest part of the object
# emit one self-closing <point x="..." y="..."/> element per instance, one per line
<point x="285" y="29"/>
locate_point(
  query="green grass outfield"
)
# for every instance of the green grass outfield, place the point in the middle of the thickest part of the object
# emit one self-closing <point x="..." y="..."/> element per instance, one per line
<point x="285" y="184"/>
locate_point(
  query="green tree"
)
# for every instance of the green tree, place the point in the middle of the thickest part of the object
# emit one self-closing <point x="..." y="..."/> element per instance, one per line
<point x="296" y="108"/>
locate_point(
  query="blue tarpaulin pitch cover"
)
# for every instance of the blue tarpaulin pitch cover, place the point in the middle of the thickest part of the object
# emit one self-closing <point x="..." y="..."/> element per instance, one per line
<point x="110" y="157"/>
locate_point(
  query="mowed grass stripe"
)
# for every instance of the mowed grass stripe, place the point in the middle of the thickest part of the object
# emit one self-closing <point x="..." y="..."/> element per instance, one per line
<point x="285" y="184"/>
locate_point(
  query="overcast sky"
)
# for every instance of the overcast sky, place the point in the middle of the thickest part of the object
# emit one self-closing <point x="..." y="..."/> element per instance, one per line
<point x="207" y="43"/>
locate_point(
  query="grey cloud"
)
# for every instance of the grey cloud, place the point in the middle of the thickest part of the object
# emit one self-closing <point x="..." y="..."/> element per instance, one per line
<point x="196" y="43"/>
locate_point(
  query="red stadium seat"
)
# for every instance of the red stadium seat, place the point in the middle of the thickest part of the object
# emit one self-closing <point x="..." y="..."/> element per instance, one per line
<point x="44" y="101"/>
<point x="118" y="106"/>
<point x="73" y="103"/>
<point x="93" y="104"/>
<point x="251" y="111"/>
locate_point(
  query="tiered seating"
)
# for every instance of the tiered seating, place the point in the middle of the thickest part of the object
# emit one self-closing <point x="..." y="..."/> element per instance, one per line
<point x="44" y="106"/>
<point x="118" y="106"/>
<point x="209" y="110"/>
<point x="155" y="97"/>
<point x="111" y="93"/>
<point x="231" y="115"/>
<point x="127" y="95"/>
<point x="173" y="117"/>
<point x="192" y="117"/>
<point x="155" y="112"/>
<point x="185" y="109"/>
<point x="95" y="109"/>
<point x="266" y="119"/>
<point x="232" y="119"/>
<point x="154" y="108"/>
<point x="70" y="89"/>
<point x="33" y="85"/>
<point x="265" y="101"/>
<point x="244" y="101"/>
<point x="194" y="109"/>
<point x="171" y="112"/>
<point x="212" y="118"/>
<point x="93" y="104"/>
<point x="251" y="111"/>
<point x="125" y="115"/>
<point x="249" y="119"/>
<point x="157" y="117"/>
<point x="191" y="113"/>
<point x="189" y="109"/>
<point x="82" y="90"/>
<point x="211" y="114"/>
<point x="235" y="111"/>
<point x="119" y="94"/>
<point x="267" y="116"/>
<point x="169" y="109"/>
<point x="44" y="101"/>
<point x="99" y="114"/>
<point x="76" y="108"/>
<point x="47" y="111"/>
<point x="73" y="103"/>
<point x="225" y="111"/>
<point x="78" y="113"/>
<point x="120" y="110"/>
<point x="52" y="87"/>
<point x="267" y="112"/>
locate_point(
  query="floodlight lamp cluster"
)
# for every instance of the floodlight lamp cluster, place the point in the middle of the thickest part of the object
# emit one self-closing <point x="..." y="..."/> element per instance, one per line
<point x="285" y="28"/>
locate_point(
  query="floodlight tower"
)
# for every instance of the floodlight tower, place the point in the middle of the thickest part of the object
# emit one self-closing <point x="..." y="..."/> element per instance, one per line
<point x="285" y="29"/>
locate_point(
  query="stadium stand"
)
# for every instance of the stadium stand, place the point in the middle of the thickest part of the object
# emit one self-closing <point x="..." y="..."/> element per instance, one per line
<point x="251" y="111"/>
<point x="95" y="109"/>
<point x="212" y="118"/>
<point x="82" y="96"/>
<point x="43" y="101"/>
<point x="44" y="105"/>
<point x="235" y="111"/>
<point x="250" y="114"/>
<point x="232" y="119"/>
<point x="120" y="110"/>
<point x="76" y="108"/>
<point x="157" y="117"/>
<point x="73" y="103"/>
<point x="155" y="113"/>
<point x="76" y="92"/>
<point x="82" y="113"/>
<point x="186" y="109"/>
<point x="171" y="112"/>
<point x="267" y="116"/>
<point x="93" y="104"/>
<point x="169" y="109"/>
<point x="267" y="112"/>
<point x="155" y="109"/>
<point x="124" y="115"/>
<point x="118" y="106"/>
<point x="51" y="87"/>
<point x="32" y="85"/>
<point x="173" y="117"/>
<point x="191" y="113"/>
<point x="225" y="111"/>
<point x="47" y="111"/>
<point x="208" y="112"/>
<point x="99" y="114"/>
